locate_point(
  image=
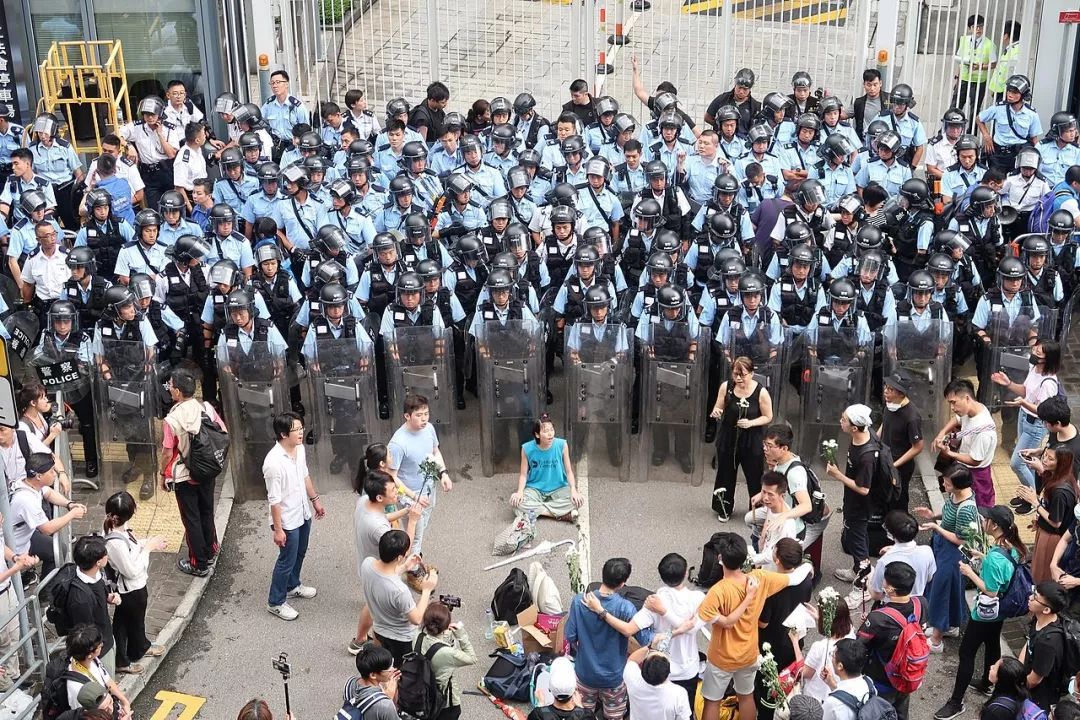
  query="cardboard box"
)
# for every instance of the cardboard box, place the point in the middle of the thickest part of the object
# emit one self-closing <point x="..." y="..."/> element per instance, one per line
<point x="541" y="638"/>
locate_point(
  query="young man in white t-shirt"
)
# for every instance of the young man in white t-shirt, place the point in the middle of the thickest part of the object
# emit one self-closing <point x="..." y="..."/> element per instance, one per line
<point x="33" y="529"/>
<point x="413" y="443"/>
<point x="652" y="694"/>
<point x="778" y="522"/>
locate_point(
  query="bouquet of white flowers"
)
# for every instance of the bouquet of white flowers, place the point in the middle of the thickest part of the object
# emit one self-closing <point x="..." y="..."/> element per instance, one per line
<point x="828" y="451"/>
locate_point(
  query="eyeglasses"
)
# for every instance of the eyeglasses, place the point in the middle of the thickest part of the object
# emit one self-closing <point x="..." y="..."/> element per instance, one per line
<point x="297" y="429"/>
<point x="1034" y="598"/>
<point x="278" y="82"/>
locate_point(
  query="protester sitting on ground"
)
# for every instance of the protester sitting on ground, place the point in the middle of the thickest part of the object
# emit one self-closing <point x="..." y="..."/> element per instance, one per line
<point x="546" y="483"/>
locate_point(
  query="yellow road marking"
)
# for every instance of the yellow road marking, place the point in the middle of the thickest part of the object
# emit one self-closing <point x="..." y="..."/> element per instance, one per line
<point x="702" y="6"/>
<point x="822" y="18"/>
<point x="191" y="705"/>
<point x="774" y="9"/>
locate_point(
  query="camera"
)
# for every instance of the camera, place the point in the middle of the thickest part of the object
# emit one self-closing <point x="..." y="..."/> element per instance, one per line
<point x="450" y="601"/>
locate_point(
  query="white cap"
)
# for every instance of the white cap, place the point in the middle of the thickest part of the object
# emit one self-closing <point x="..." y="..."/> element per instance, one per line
<point x="563" y="677"/>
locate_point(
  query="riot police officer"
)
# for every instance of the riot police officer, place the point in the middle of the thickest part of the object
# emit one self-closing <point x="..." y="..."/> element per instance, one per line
<point x="186" y="291"/>
<point x="1016" y="124"/>
<point x="419" y="244"/>
<point x="330" y="243"/>
<point x="965" y="172"/>
<point x="600" y="206"/>
<point x="808" y="209"/>
<point x="23" y="238"/>
<point x="225" y="243"/>
<point x="234" y="187"/>
<point x="169" y="329"/>
<point x="637" y="246"/>
<point x="487" y="180"/>
<point x="278" y="289"/>
<point x="453" y="316"/>
<point x="522" y="207"/>
<point x="751" y="329"/>
<point x="466" y="275"/>
<point x="1041" y="276"/>
<point x="426" y="185"/>
<point x="914" y="227"/>
<point x="777" y="257"/>
<point x="358" y="228"/>
<point x="558" y="249"/>
<point x="675" y="207"/>
<point x="144" y="253"/>
<point x="800" y="156"/>
<point x="981" y="228"/>
<point x="64" y="340"/>
<point x="887" y="170"/>
<point x="103" y="233"/>
<point x="461" y="213"/>
<point x="85" y="289"/>
<point x="376" y="288"/>
<point x="175" y="224"/>
<point x="659" y="272"/>
<point x="530" y="126"/>
<point x="797" y="296"/>
<point x="301" y="215"/>
<point x="723" y="201"/>
<point x="840" y="330"/>
<point x="224" y="279"/>
<point x="493" y="235"/>
<point x="1058" y="233"/>
<point x="265" y="201"/>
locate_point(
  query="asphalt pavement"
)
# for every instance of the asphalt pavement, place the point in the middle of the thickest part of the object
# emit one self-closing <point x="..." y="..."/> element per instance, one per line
<point x="226" y="654"/>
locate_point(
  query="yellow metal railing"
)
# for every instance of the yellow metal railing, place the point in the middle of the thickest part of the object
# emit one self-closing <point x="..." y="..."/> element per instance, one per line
<point x="85" y="82"/>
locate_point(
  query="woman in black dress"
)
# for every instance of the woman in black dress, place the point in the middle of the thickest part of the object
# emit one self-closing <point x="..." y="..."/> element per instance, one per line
<point x="744" y="408"/>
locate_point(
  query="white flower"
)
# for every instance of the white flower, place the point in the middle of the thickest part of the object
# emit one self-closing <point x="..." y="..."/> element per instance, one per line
<point x="766" y="647"/>
<point x="828" y="594"/>
<point x="973" y="525"/>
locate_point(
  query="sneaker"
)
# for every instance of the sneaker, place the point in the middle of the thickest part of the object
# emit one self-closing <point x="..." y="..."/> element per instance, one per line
<point x="983" y="687"/>
<point x="1023" y="508"/>
<point x="949" y="710"/>
<point x="844" y="574"/>
<point x="355" y="647"/>
<point x="1015" y="501"/>
<point x="304" y="592"/>
<point x="950" y="633"/>
<point x="184" y="565"/>
<point x="723" y="518"/>
<point x="937" y="649"/>
<point x="283" y="611"/>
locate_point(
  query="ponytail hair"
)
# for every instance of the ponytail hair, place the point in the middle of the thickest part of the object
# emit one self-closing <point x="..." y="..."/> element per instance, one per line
<point x="119" y="509"/>
<point x="374" y="455"/>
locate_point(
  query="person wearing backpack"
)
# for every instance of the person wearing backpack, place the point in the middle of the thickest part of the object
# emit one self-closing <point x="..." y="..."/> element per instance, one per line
<point x="195" y="499"/>
<point x="901" y="528"/>
<point x="959" y="516"/>
<point x="371" y="694"/>
<point x="1010" y="699"/>
<point x="992" y="580"/>
<point x="84" y="646"/>
<point x="454" y="651"/>
<point x="82" y="597"/>
<point x="897" y="650"/>
<point x="130" y="561"/>
<point x="1054" y="513"/>
<point x="1045" y="654"/>
<point x="851" y="692"/>
<point x="807" y="502"/>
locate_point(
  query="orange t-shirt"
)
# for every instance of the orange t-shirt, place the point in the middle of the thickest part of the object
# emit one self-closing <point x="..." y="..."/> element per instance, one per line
<point x="736" y="647"/>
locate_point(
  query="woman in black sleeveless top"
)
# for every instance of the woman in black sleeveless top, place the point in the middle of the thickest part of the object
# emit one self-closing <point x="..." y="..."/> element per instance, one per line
<point x="744" y="408"/>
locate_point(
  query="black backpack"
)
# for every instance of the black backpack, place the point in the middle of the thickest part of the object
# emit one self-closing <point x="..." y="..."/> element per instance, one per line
<point x="813" y="489"/>
<point x="54" y="696"/>
<point x="710" y="570"/>
<point x="59" y="587"/>
<point x="418" y="691"/>
<point x="511" y="597"/>
<point x="510" y="676"/>
<point x="1070" y="630"/>
<point x="208" y="451"/>
<point x="885" y="487"/>
<point x="635" y="594"/>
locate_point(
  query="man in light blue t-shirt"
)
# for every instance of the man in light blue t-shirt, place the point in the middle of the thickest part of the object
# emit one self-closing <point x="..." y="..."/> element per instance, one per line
<point x="412" y="443"/>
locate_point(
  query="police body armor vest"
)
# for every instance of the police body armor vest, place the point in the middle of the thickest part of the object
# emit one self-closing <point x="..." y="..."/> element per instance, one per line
<point x="833" y="343"/>
<point x="129" y="331"/>
<point x="409" y="257"/>
<point x="907" y="235"/>
<point x="321" y="327"/>
<point x="967" y="227"/>
<point x="467" y="288"/>
<point x="491" y="241"/>
<point x="672" y="215"/>
<point x="796" y="311"/>
<point x="532" y="269"/>
<point x="735" y="211"/>
<point x="757" y="346"/>
<point x="815" y="222"/>
<point x="106" y="244"/>
<point x="510" y="344"/>
<point x="244" y="361"/>
<point x="670" y="345"/>
<point x="185" y="299"/>
<point x="441" y="301"/>
<point x="557" y="265"/>
<point x="276" y="295"/>
<point x="69" y="350"/>
<point x="575" y="298"/>
<point x="838" y="244"/>
<point x="1008" y="334"/>
<point x="217" y="303"/>
<point x="634" y="256"/>
<point x="382" y="290"/>
<point x="905" y="310"/>
<point x="161" y="330"/>
<point x="590" y="349"/>
<point x="874" y="309"/>
<point x="1044" y="287"/>
<point x="90" y="311"/>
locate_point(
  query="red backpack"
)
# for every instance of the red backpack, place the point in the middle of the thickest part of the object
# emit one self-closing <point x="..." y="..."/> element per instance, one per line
<point x="907" y="666"/>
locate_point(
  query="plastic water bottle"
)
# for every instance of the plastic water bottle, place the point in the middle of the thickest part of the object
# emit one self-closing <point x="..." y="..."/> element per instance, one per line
<point x="489" y="632"/>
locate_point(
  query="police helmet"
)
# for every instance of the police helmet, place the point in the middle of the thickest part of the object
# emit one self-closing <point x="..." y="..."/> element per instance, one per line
<point x="266" y="251"/>
<point x="725" y="184"/>
<point x="598" y="238"/>
<point x="572" y="144"/>
<point x="663" y="102"/>
<point x="97" y="197"/>
<point x="982" y="197"/>
<point x="563" y="215"/>
<point x="967" y="142"/>
<point x="343" y="190"/>
<point x="606" y="105"/>
<point x="116" y="298"/>
<point x="190" y="247"/>
<point x="146" y="218"/>
<point x="852" y="204"/>
<point x="659" y="263"/>
<point x="529" y="157"/>
<point x="759" y="133"/>
<point x="81" y="257"/>
<point x="499" y="209"/>
<point x="149" y="105"/>
<point x="667" y="241"/>
<point x="624" y="122"/>
<point x="1035" y="245"/>
<point x="226" y="103"/>
<point x="890" y="141"/>
<point x="470" y="143"/>
<point x="670" y="119"/>
<point x="916" y="192"/>
<point x="808" y="121"/>
<point x="505" y="261"/>
<point x="330" y="240"/>
<point x="454" y="121"/>
<point x="517" y="177"/>
<point x="329" y="271"/>
<point x="721" y="226"/>
<point x="504" y="133"/>
<point x="954" y="116"/>
<point x="310" y="142"/>
<point x="810" y="192"/>
<point x="1061" y="221"/>
<point x="238" y="300"/>
<point x="383" y="241"/>
<point x="775" y="102"/>
<point x="63" y="310"/>
<point x="516" y="235"/>
<point x="801" y="79"/>
<point x="500" y="105"/>
<point x="356" y="164"/>
<point x="802" y="254"/>
<point x="248" y="141"/>
<point x="428" y="269"/>
<point x="598" y="296"/>
<point x="586" y="255"/>
<point x="1060" y="122"/>
<point x="414" y="150"/>
<point x="950" y="239"/>
<point x="869" y="238"/>
<point x="171" y="200"/>
<point x="875" y="128"/>
<point x="598" y="166"/>
<point x="920" y="281"/>
<point x="1020" y="84"/>
<point x="456" y="184"/>
<point x="268" y="172"/>
<point x="334" y="295"/>
<point x="648" y="209"/>
<point x="1010" y="268"/>
<point x="724" y="267"/>
<point x="842" y="290"/>
<point x="745" y="78"/>
<point x="397" y="106"/>
<point x="32" y="201"/>
<point x="314" y="164"/>
<point x="902" y="94"/>
<point x="469" y="247"/>
<point x="499" y="279"/>
<point x="523" y="103"/>
<point x="751" y="284"/>
<point x="798" y="232"/>
<point x="402" y="185"/>
<point x="940" y="264"/>
<point x="363" y="148"/>
<point x="296" y="175"/>
<point x="230" y="157"/>
<point x="655" y="169"/>
<point x="837" y="148"/>
<point x="871" y="261"/>
<point x="1028" y="157"/>
<point x="417" y="227"/>
<point x="248" y="114"/>
<point x="671" y="297"/>
<point x="221" y="213"/>
<point x="141" y="286"/>
<point x="829" y="104"/>
<point x="727" y="113"/>
<point x="409" y="282"/>
<point x="225" y="272"/>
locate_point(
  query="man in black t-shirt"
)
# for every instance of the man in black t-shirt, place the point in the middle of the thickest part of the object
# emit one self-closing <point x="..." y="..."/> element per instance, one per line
<point x="879" y="631"/>
<point x="901" y="430"/>
<point x="1055" y="414"/>
<point x="856" y="479"/>
<point x="428" y="117"/>
<point x="1045" y="647"/>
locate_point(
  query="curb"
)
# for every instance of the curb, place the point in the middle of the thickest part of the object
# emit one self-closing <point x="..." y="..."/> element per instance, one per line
<point x="173" y="631"/>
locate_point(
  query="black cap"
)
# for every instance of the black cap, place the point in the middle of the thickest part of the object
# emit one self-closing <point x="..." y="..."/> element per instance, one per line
<point x="1000" y="515"/>
<point x="899" y="383"/>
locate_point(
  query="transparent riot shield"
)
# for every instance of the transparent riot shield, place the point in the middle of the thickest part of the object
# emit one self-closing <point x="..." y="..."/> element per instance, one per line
<point x="420" y="361"/>
<point x="767" y="356"/>
<point x="1070" y="325"/>
<point x="510" y="379"/>
<point x="24" y="329"/>
<point x="836" y="373"/>
<point x="126" y="403"/>
<point x="673" y="387"/>
<point x="923" y="354"/>
<point x="1010" y="347"/>
<point x="599" y="383"/>
<point x="253" y="385"/>
<point x="345" y="412"/>
<point x="60" y="370"/>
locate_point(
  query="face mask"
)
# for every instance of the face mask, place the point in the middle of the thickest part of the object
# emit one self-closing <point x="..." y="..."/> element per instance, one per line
<point x="1034" y="359"/>
<point x="892" y="407"/>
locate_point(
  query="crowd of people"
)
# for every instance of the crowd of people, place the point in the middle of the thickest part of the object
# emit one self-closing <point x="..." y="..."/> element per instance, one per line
<point x="799" y="238"/>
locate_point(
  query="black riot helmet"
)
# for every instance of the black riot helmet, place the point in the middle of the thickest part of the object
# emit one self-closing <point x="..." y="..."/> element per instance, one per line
<point x="414" y="150"/>
<point x="383" y="241"/>
<point x="808" y="121"/>
<point x="837" y="148"/>
<point x="1020" y="84"/>
<point x="916" y="192"/>
<point x="221" y="213"/>
<point x="146" y="218"/>
<point x="516" y="235"/>
<point x="1034" y="245"/>
<point x="504" y="133"/>
<point x="330" y="240"/>
<point x="659" y="263"/>
<point x="361" y="148"/>
<point x="889" y="140"/>
<point x="1060" y="122"/>
<point x="116" y="298"/>
<point x="310" y="142"/>
<point x="920" y="281"/>
<point x="982" y="197"/>
<point x="721" y="228"/>
<point x="188" y="248"/>
<point x="141" y="286"/>
<point x="902" y="94"/>
<point x="655" y="169"/>
<point x="523" y="103"/>
<point x="95" y="198"/>
<point x="505" y="261"/>
<point x="344" y="190"/>
<point x="671" y="297"/>
<point x="82" y="257"/>
<point x="333" y="295"/>
<point x="562" y="194"/>
<point x="499" y="279"/>
<point x="598" y="238"/>
<point x="238" y="300"/>
<point x="409" y="282"/>
<point x="248" y="116"/>
<point x="224" y="272"/>
<point x="417" y="228"/>
<point x="329" y="271"/>
<point x="586" y="255"/>
<point x="268" y="172"/>
<point x="802" y="254"/>
<point x="725" y="267"/>
<point x="469" y="247"/>
<point x="229" y="158"/>
<point x="401" y="186"/>
<point x="429" y="269"/>
<point x="248" y="141"/>
<point x="667" y="241"/>
<point x="563" y="215"/>
<point x="456" y="184"/>
<point x="810" y="192"/>
<point x="725" y="184"/>
<point x="170" y="200"/>
<point x="797" y="233"/>
<point x="1010" y="268"/>
<point x="63" y="311"/>
<point x="842" y="290"/>
<point x="397" y="106"/>
<point x="499" y="209"/>
<point x="598" y="296"/>
<point x="1061" y="221"/>
<point x="500" y="105"/>
<point x="649" y="210"/>
<point x="775" y="102"/>
<point x="751" y="284"/>
<point x="941" y="264"/>
<point x="869" y="238"/>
